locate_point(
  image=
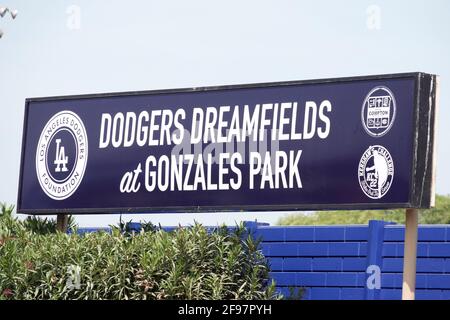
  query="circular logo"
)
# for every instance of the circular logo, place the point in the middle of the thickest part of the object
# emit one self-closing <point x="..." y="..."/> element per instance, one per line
<point x="61" y="155"/>
<point x="376" y="172"/>
<point x="378" y="111"/>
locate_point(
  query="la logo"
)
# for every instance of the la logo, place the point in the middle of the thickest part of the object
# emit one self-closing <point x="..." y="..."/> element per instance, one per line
<point x="61" y="158"/>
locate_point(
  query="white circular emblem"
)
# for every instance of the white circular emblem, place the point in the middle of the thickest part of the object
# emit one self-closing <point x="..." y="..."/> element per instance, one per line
<point x="61" y="155"/>
<point x="376" y="172"/>
<point x="378" y="111"/>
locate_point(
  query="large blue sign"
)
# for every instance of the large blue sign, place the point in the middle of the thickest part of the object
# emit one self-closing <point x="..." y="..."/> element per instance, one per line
<point x="365" y="142"/>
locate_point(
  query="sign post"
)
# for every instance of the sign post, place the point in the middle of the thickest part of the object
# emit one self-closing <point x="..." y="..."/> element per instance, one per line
<point x="410" y="254"/>
<point x="62" y="222"/>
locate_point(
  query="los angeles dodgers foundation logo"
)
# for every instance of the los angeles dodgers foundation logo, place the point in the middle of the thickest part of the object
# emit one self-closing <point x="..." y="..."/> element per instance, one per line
<point x="378" y="111"/>
<point x="61" y="155"/>
<point x="376" y="172"/>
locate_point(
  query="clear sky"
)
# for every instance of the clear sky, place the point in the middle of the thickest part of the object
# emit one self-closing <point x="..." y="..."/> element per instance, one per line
<point x="92" y="46"/>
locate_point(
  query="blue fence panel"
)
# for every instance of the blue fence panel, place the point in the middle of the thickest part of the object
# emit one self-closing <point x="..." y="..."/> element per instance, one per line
<point x="330" y="262"/>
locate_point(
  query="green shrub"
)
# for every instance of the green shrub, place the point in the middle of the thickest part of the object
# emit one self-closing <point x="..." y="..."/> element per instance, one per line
<point x="188" y="263"/>
<point x="40" y="225"/>
<point x="10" y="226"/>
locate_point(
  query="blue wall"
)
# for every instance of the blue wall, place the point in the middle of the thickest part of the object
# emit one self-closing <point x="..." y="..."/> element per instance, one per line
<point x="331" y="262"/>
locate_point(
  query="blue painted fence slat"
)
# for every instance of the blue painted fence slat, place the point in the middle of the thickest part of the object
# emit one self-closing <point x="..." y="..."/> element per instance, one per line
<point x="325" y="294"/>
<point x="297" y="264"/>
<point x="354" y="264"/>
<point x="424" y="265"/>
<point x="323" y="233"/>
<point x="299" y="233"/>
<point x="425" y="233"/>
<point x="356" y="233"/>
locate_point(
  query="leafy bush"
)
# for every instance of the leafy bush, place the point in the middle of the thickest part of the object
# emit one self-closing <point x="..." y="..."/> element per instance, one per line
<point x="188" y="263"/>
<point x="130" y="228"/>
<point x="40" y="225"/>
<point x="11" y="226"/>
